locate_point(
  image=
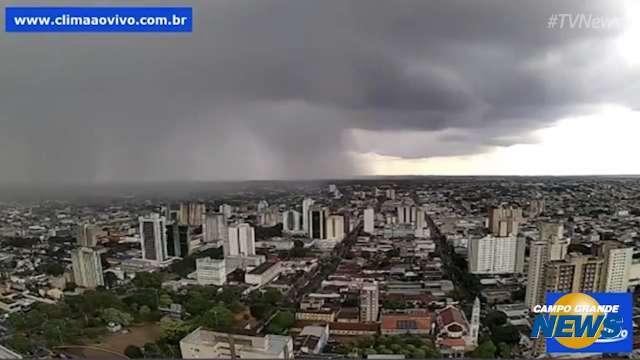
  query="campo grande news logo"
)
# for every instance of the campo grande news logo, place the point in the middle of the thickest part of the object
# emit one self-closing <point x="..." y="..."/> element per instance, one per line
<point x="585" y="322"/>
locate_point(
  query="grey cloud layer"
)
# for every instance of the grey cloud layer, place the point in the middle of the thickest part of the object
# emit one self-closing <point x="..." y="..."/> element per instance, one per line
<point x="273" y="88"/>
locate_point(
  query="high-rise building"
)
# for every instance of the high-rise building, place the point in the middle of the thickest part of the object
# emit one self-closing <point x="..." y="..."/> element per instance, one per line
<point x="178" y="240"/>
<point x="616" y="267"/>
<point x="87" y="235"/>
<point x="496" y="255"/>
<point x="214" y="227"/>
<point x="318" y="222"/>
<point x="87" y="268"/>
<point x="306" y="205"/>
<point x="241" y="240"/>
<point x="474" y="328"/>
<point x="551" y="246"/>
<point x="576" y="273"/>
<point x="291" y="221"/>
<point x="536" y="208"/>
<point x="262" y="205"/>
<point x="406" y="214"/>
<point x="369" y="302"/>
<point x="153" y="238"/>
<point x="211" y="271"/>
<point x="369" y="220"/>
<point x="226" y="210"/>
<point x="391" y="194"/>
<point x="170" y="213"/>
<point x="191" y="214"/>
<point x="335" y="227"/>
<point x="504" y="221"/>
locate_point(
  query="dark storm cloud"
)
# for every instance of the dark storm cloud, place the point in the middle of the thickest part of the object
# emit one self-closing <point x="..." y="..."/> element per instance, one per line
<point x="275" y="89"/>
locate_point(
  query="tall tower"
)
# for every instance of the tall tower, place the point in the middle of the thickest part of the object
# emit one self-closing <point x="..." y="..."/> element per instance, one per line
<point x="369" y="302"/>
<point x="241" y="241"/>
<point x="87" y="268"/>
<point x="617" y="264"/>
<point x="475" y="322"/>
<point x="214" y="227"/>
<point x="318" y="222"/>
<point x="551" y="246"/>
<point x="153" y="237"/>
<point x="504" y="221"/>
<point x="369" y="220"/>
<point x="306" y="204"/>
<point x="87" y="235"/>
<point x="335" y="227"/>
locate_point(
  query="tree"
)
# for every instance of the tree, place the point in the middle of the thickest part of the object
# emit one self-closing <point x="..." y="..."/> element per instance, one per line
<point x="197" y="305"/>
<point x="259" y="310"/>
<point x="486" y="350"/>
<point x="508" y="334"/>
<point x="114" y="315"/>
<point x="282" y="322"/>
<point x="165" y="300"/>
<point x="173" y="331"/>
<point x="148" y="280"/>
<point x="218" y="317"/>
<point x="133" y="352"/>
<point x="504" y="350"/>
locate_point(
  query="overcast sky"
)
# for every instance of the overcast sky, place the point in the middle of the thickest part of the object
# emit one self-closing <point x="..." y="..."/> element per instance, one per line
<point x="271" y="89"/>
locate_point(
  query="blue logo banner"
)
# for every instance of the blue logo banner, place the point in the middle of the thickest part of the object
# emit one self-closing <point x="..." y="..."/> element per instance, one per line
<point x="98" y="19"/>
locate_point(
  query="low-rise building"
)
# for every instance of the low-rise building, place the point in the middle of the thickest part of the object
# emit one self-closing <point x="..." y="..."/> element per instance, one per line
<point x="207" y="344"/>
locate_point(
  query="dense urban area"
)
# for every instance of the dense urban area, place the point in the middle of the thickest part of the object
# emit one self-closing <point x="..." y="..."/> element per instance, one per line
<point x="424" y="267"/>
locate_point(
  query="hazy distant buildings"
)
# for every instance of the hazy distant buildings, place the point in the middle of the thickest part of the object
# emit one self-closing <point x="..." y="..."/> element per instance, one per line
<point x="369" y="220"/>
<point x="241" y="240"/>
<point x="211" y="271"/>
<point x="226" y="210"/>
<point x="153" y="238"/>
<point x="496" y="255"/>
<point x="192" y="214"/>
<point x="504" y="221"/>
<point x="87" y="268"/>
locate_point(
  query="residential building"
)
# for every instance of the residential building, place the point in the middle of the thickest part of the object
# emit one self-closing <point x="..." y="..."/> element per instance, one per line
<point x="369" y="302"/>
<point x="211" y="271"/>
<point x="87" y="268"/>
<point x="241" y="240"/>
<point x="496" y="255"/>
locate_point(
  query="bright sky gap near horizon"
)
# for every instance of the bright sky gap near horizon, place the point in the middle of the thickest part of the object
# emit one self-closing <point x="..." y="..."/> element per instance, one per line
<point x="294" y="89"/>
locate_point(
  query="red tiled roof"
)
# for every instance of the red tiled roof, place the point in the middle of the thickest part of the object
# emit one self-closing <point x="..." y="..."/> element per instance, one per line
<point x="394" y="321"/>
<point x="450" y="342"/>
<point x="451" y="315"/>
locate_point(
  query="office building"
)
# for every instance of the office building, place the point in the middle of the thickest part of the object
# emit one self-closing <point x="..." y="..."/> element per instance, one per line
<point x="496" y="255"/>
<point x="226" y="210"/>
<point x="211" y="271"/>
<point x="369" y="302"/>
<point x="153" y="238"/>
<point x="504" y="221"/>
<point x="616" y="267"/>
<point x="369" y="220"/>
<point x="87" y="235"/>
<point x="207" y="344"/>
<point x="87" y="268"/>
<point x="406" y="214"/>
<point x="291" y="221"/>
<point x="551" y="246"/>
<point x="318" y="222"/>
<point x="192" y="214"/>
<point x="576" y="273"/>
<point x="178" y="240"/>
<point x="241" y="240"/>
<point x="214" y="228"/>
<point x="335" y="228"/>
<point x="306" y="205"/>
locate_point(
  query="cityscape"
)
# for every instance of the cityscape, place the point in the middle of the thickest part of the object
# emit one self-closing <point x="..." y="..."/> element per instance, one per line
<point x="418" y="267"/>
